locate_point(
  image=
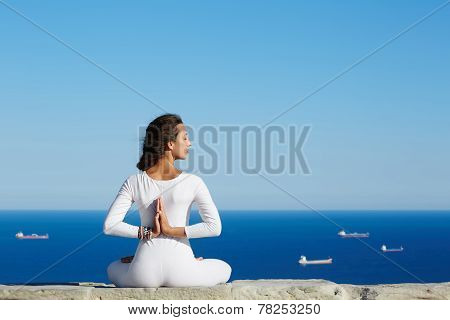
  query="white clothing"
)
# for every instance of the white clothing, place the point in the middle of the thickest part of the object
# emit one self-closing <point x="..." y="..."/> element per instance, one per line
<point x="165" y="261"/>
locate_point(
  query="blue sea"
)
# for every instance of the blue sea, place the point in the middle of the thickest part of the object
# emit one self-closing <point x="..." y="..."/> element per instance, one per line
<point x="257" y="245"/>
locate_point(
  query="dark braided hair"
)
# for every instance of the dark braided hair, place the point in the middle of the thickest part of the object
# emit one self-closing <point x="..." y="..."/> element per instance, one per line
<point x="157" y="135"/>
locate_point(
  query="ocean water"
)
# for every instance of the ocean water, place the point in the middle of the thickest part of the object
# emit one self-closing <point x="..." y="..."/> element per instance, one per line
<point x="257" y="245"/>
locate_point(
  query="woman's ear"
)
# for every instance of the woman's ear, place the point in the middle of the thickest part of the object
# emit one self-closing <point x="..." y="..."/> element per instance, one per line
<point x="170" y="145"/>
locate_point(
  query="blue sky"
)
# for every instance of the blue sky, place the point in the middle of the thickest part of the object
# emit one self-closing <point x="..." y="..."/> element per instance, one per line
<point x="379" y="137"/>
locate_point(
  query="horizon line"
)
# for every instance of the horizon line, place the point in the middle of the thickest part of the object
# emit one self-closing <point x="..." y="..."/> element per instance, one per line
<point x="251" y="210"/>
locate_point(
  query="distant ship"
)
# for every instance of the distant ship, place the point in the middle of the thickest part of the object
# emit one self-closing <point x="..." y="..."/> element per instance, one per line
<point x="343" y="234"/>
<point x="303" y="261"/>
<point x="20" y="235"/>
<point x="384" y="249"/>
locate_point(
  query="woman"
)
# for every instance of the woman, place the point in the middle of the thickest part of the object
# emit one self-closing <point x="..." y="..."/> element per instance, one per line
<point x="164" y="196"/>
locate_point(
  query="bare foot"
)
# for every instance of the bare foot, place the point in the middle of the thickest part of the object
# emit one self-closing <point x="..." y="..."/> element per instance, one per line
<point x="126" y="259"/>
<point x="199" y="258"/>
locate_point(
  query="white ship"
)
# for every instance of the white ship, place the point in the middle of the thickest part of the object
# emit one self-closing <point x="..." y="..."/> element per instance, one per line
<point x="385" y="249"/>
<point x="303" y="261"/>
<point x="20" y="235"/>
<point x="343" y="234"/>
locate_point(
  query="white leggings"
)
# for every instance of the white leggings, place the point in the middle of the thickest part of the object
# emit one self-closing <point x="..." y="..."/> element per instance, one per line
<point x="167" y="262"/>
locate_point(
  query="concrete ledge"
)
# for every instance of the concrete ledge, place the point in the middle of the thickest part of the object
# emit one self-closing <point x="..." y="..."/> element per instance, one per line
<point x="275" y="289"/>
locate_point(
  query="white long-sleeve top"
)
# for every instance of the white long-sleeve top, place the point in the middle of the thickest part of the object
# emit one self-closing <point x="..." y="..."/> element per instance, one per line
<point x="178" y="195"/>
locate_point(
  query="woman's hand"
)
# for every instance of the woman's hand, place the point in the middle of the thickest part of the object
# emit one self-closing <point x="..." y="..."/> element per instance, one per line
<point x="163" y="221"/>
<point x="166" y="228"/>
<point x="156" y="225"/>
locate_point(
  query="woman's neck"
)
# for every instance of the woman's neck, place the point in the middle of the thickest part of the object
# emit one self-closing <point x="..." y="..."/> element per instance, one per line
<point x="164" y="169"/>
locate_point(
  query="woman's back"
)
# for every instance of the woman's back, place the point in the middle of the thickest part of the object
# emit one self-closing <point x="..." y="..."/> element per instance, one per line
<point x="165" y="261"/>
<point x="178" y="195"/>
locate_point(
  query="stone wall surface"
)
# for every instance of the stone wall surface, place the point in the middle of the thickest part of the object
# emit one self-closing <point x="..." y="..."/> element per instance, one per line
<point x="271" y="289"/>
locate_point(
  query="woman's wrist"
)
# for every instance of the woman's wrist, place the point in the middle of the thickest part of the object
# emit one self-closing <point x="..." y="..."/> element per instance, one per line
<point x="168" y="230"/>
<point x="145" y="233"/>
<point x="178" y="232"/>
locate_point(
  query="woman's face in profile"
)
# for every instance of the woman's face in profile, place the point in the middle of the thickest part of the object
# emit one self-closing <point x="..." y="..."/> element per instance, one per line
<point x="181" y="144"/>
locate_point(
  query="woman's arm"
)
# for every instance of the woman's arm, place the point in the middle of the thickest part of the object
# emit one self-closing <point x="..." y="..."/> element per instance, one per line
<point x="114" y="224"/>
<point x="211" y="225"/>
<point x="175" y="232"/>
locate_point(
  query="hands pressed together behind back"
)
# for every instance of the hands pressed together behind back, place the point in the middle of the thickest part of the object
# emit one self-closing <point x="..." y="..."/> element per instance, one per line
<point x="160" y="225"/>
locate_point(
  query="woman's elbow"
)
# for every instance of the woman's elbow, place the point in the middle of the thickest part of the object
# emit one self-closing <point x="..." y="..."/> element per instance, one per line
<point x="107" y="229"/>
<point x="216" y="230"/>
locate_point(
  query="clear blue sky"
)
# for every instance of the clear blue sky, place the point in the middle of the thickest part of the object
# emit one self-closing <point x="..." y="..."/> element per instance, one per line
<point x="380" y="134"/>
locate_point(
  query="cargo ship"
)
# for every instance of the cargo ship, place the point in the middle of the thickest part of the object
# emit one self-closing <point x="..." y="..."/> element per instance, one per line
<point x="343" y="234"/>
<point x="20" y="235"/>
<point x="385" y="249"/>
<point x="303" y="261"/>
